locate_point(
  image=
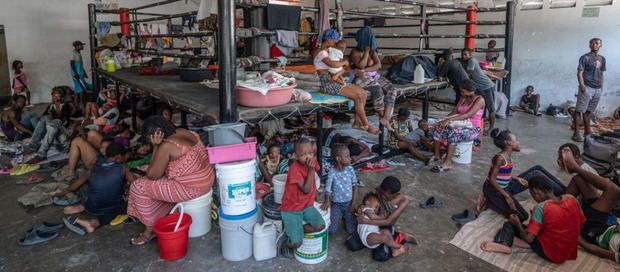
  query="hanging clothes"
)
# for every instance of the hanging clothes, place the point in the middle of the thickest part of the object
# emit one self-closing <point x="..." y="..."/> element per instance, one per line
<point x="287" y="38"/>
<point x="322" y="19"/>
<point x="305" y="27"/>
<point x="283" y="17"/>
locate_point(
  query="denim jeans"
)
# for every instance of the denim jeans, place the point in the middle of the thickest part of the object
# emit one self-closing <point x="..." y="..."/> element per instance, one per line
<point x="47" y="133"/>
<point x="29" y="121"/>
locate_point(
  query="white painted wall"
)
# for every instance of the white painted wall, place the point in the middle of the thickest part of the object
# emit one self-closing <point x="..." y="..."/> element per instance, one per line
<point x="548" y="43"/>
<point x="40" y="34"/>
<point x="547" y="46"/>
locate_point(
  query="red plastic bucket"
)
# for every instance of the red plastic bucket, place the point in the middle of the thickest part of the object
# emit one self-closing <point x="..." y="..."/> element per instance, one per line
<point x="172" y="234"/>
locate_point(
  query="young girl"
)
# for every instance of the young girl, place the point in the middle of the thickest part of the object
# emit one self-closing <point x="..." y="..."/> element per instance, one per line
<point x="20" y="83"/>
<point x="322" y="63"/>
<point x="500" y="186"/>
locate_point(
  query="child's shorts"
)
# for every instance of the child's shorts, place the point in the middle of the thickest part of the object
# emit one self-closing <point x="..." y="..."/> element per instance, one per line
<point x="364" y="230"/>
<point x="293" y="222"/>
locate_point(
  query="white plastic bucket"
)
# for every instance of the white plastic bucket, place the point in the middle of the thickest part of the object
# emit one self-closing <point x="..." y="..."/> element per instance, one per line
<point x="279" y="183"/>
<point x="264" y="242"/>
<point x="465" y="150"/>
<point x="325" y="214"/>
<point x="313" y="250"/>
<point x="236" y="233"/>
<point x="200" y="210"/>
<point x="236" y="181"/>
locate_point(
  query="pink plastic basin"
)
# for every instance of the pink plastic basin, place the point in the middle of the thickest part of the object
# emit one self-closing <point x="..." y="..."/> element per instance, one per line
<point x="275" y="97"/>
<point x="232" y="153"/>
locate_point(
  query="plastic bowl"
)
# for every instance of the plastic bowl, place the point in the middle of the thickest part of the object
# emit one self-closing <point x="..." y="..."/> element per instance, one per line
<point x="275" y="97"/>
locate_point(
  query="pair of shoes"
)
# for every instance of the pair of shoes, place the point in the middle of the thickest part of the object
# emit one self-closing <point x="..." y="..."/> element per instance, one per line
<point x="40" y="233"/>
<point x="464" y="217"/>
<point x="23" y="169"/>
<point x="431" y="202"/>
<point x="141" y="240"/>
<point x="381" y="165"/>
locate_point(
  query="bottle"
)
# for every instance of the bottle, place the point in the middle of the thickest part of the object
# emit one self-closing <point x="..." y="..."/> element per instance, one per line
<point x="110" y="66"/>
<point x="418" y="76"/>
<point x="501" y="62"/>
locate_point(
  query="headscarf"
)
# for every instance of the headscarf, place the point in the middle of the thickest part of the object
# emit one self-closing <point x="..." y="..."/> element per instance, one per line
<point x="366" y="37"/>
<point x="330" y="35"/>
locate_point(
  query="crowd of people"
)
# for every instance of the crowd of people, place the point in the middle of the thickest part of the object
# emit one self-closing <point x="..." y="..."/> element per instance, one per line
<point x="177" y="167"/>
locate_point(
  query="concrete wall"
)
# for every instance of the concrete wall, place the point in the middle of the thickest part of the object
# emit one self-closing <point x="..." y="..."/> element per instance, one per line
<point x="40" y="34"/>
<point x="548" y="44"/>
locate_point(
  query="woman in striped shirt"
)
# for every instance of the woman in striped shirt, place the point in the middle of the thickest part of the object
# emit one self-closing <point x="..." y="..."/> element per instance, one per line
<point x="500" y="186"/>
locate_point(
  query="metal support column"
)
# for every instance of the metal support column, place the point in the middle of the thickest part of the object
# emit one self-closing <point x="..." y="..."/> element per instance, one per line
<point x="92" y="32"/>
<point x="424" y="42"/>
<point x="132" y="99"/>
<point x="117" y="89"/>
<point x="319" y="138"/>
<point x="184" y="119"/>
<point x="226" y="50"/>
<point x="510" y="16"/>
<point x="425" y="106"/>
<point x="258" y="46"/>
<point x="339" y="18"/>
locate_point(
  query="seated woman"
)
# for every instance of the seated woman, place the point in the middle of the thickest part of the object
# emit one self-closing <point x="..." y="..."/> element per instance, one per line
<point x="51" y="130"/>
<point x="322" y="63"/>
<point x="365" y="63"/>
<point x="471" y="106"/>
<point x="104" y="117"/>
<point x="179" y="171"/>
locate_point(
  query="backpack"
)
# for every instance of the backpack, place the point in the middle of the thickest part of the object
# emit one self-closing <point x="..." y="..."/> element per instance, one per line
<point x="601" y="153"/>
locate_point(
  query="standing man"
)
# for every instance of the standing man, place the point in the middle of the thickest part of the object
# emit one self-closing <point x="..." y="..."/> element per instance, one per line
<point x="486" y="87"/>
<point x="590" y="77"/>
<point x="452" y="70"/>
<point x="78" y="73"/>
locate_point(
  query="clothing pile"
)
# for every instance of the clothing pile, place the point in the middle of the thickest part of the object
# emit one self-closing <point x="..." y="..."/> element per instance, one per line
<point x="267" y="81"/>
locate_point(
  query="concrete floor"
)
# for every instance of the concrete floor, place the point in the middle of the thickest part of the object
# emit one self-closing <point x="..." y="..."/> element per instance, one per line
<point x="108" y="249"/>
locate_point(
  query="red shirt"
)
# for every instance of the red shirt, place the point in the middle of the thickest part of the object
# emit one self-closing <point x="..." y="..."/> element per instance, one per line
<point x="557" y="226"/>
<point x="294" y="199"/>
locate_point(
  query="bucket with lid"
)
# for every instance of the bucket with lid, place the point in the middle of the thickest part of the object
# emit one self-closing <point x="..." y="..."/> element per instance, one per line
<point x="200" y="210"/>
<point x="313" y="250"/>
<point x="236" y="183"/>
<point x="236" y="234"/>
<point x="172" y="233"/>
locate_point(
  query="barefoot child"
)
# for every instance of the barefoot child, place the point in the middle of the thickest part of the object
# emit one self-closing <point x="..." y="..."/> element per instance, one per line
<point x="392" y="204"/>
<point x="322" y="63"/>
<point x="341" y="190"/>
<point x="553" y="231"/>
<point x="500" y="185"/>
<point x="372" y="237"/>
<point x="400" y="126"/>
<point x="421" y="135"/>
<point x="101" y="191"/>
<point x="20" y="83"/>
<point x="298" y="199"/>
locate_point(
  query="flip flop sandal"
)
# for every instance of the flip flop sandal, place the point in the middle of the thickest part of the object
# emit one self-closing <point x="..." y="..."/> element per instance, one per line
<point x="49" y="167"/>
<point x="381" y="165"/>
<point x="27" y="168"/>
<point x="143" y="240"/>
<point x="369" y="167"/>
<point x="37" y="238"/>
<point x="6" y="170"/>
<point x="439" y="169"/>
<point x="30" y="180"/>
<point x="464" y="217"/>
<point x="130" y="220"/>
<point x="431" y="202"/>
<point x="394" y="163"/>
<point x="577" y="138"/>
<point x="119" y="219"/>
<point x="16" y="169"/>
<point x="72" y="225"/>
<point x="45" y="227"/>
